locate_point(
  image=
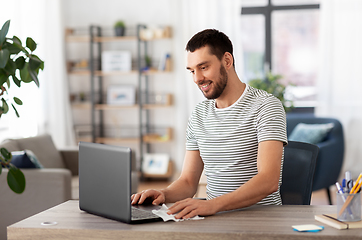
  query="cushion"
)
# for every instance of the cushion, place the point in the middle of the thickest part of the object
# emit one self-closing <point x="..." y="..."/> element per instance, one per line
<point x="25" y="159"/>
<point x="310" y="133"/>
<point x="10" y="145"/>
<point x="43" y="147"/>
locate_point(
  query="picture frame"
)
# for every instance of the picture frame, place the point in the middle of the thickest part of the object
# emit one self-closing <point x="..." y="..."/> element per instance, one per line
<point x="155" y="163"/>
<point x="116" y="61"/>
<point x="121" y="95"/>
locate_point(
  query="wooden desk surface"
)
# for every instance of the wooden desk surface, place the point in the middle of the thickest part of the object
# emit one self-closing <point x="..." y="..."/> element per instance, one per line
<point x="260" y="222"/>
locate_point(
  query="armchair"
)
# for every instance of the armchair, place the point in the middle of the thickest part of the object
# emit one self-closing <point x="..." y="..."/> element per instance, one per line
<point x="331" y="151"/>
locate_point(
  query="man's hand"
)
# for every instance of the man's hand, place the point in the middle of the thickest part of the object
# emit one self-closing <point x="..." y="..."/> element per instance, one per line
<point x="156" y="196"/>
<point x="190" y="207"/>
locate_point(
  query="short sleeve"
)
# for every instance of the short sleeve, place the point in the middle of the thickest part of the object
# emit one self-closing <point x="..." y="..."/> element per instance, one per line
<point x="271" y="121"/>
<point x="191" y="142"/>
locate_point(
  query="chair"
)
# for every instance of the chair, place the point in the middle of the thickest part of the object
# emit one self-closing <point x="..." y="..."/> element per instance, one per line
<point x="331" y="151"/>
<point x="298" y="172"/>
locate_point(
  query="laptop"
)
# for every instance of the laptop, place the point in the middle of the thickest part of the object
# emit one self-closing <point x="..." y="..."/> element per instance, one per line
<point x="105" y="184"/>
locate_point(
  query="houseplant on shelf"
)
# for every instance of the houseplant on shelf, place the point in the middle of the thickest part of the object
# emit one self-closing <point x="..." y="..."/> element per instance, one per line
<point x="119" y="28"/>
<point x="21" y="65"/>
<point x="272" y="85"/>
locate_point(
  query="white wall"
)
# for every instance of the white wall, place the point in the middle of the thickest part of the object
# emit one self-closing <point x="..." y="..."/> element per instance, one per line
<point x="83" y="13"/>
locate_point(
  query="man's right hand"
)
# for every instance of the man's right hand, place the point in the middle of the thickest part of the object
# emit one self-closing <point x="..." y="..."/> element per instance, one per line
<point x="157" y="197"/>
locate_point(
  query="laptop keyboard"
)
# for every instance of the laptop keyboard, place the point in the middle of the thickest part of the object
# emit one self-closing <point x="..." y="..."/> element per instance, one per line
<point x="142" y="214"/>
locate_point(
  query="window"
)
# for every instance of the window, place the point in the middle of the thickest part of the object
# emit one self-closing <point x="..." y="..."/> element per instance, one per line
<point x="282" y="36"/>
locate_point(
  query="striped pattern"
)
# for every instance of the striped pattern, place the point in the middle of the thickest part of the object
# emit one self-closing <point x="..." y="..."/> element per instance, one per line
<point x="228" y="139"/>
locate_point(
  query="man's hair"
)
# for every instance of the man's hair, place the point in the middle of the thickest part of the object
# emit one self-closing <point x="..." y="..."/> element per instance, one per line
<point x="217" y="42"/>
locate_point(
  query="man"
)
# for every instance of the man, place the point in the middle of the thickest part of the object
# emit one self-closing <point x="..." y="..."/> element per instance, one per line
<point x="236" y="136"/>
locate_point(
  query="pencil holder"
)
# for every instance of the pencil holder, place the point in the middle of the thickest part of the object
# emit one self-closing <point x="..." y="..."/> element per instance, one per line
<point x="349" y="207"/>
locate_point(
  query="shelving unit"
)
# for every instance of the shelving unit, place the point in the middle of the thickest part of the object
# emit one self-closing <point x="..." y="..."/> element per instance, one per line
<point x="95" y="102"/>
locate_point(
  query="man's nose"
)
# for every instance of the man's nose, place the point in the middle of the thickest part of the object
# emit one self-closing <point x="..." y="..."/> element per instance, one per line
<point x="198" y="77"/>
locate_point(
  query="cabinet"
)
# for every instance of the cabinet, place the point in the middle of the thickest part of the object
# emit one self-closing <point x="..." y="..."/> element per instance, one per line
<point x="117" y="106"/>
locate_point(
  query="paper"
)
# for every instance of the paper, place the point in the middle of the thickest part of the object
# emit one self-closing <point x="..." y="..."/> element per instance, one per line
<point x="162" y="212"/>
<point x="307" y="228"/>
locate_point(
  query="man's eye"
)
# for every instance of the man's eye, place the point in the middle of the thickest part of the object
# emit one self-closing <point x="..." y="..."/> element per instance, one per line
<point x="192" y="72"/>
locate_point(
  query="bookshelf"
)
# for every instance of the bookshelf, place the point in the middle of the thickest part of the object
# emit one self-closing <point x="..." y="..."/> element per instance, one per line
<point x="92" y="102"/>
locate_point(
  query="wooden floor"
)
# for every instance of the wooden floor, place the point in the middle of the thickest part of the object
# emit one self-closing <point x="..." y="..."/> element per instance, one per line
<point x="318" y="197"/>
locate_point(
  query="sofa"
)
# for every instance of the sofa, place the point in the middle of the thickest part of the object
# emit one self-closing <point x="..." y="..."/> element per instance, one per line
<point x="45" y="187"/>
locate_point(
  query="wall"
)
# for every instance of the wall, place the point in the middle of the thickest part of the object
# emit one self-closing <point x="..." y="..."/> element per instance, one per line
<point x="82" y="13"/>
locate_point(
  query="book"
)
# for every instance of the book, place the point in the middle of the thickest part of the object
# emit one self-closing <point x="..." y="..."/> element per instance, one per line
<point x="331" y="220"/>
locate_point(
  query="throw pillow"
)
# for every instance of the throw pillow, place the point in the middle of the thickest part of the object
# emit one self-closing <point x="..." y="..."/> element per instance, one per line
<point x="25" y="159"/>
<point x="310" y="133"/>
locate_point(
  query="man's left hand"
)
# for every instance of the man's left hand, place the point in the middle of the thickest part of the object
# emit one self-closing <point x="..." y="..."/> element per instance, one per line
<point x="190" y="207"/>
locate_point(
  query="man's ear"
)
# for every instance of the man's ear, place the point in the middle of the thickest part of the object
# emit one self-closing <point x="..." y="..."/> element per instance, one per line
<point x="228" y="60"/>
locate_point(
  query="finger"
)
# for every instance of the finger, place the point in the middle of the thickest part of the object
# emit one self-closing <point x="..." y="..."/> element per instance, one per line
<point x="144" y="196"/>
<point x="175" y="209"/>
<point x="159" y="200"/>
<point x="191" y="214"/>
<point x="184" y="212"/>
<point x="135" y="198"/>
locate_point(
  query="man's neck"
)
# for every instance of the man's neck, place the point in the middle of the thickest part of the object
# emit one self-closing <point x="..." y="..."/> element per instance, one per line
<point x="232" y="92"/>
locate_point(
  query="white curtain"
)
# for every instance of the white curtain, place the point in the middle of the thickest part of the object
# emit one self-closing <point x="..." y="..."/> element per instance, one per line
<point x="45" y="110"/>
<point x="340" y="80"/>
<point x="191" y="17"/>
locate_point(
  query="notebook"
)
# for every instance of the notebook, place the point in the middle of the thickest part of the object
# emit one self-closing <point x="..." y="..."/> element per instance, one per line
<point x="105" y="184"/>
<point x="331" y="220"/>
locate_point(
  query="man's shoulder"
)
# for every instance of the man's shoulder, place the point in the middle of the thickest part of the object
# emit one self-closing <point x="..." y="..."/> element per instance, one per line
<point x="260" y="96"/>
<point x="204" y="105"/>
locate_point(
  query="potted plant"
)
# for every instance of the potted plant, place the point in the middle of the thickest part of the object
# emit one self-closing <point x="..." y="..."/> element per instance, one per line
<point x="19" y="64"/>
<point x="120" y="28"/>
<point x="272" y="85"/>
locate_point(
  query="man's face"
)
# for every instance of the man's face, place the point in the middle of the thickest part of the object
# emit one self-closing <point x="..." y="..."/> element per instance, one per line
<point x="208" y="72"/>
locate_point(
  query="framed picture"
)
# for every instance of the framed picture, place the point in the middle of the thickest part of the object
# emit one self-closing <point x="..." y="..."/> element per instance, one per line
<point x="155" y="163"/>
<point x="116" y="61"/>
<point x="121" y="95"/>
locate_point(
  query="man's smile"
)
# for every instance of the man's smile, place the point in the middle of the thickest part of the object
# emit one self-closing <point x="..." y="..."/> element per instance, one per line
<point x="205" y="87"/>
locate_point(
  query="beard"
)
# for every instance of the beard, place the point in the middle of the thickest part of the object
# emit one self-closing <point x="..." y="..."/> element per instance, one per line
<point x="218" y="87"/>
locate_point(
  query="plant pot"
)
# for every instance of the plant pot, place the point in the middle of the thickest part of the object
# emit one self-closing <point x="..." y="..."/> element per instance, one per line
<point x="119" y="31"/>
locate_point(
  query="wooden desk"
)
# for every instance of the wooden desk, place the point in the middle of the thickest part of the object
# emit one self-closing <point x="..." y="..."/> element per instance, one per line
<point x="261" y="222"/>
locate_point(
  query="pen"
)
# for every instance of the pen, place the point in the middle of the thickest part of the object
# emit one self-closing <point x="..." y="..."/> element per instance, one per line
<point x="344" y="185"/>
<point x="349" y="182"/>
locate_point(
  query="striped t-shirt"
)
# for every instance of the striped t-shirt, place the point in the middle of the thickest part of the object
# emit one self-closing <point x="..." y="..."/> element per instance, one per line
<point x="228" y="138"/>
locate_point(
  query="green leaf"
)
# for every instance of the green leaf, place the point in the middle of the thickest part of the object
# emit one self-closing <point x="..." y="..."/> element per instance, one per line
<point x="24" y="74"/>
<point x="34" y="76"/>
<point x="5" y="107"/>
<point x="18" y="101"/>
<point x="4" y="31"/>
<point x="34" y="63"/>
<point x="10" y="67"/>
<point x="20" y="62"/>
<point x="17" y="41"/>
<point x="16" y="179"/>
<point x="16" y="111"/>
<point x="16" y="80"/>
<point x="30" y="44"/>
<point x="6" y="154"/>
<point x="12" y="47"/>
<point x="3" y="77"/>
<point x="4" y="56"/>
